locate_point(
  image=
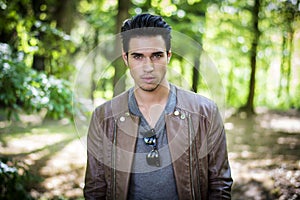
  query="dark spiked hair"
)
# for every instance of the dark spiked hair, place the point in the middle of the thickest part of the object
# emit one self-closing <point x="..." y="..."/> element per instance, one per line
<point x="145" y="25"/>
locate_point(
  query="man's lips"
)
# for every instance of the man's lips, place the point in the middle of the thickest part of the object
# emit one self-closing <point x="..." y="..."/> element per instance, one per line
<point x="148" y="79"/>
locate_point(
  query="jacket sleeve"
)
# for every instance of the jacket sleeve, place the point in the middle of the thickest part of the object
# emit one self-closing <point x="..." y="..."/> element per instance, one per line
<point x="95" y="184"/>
<point x="219" y="174"/>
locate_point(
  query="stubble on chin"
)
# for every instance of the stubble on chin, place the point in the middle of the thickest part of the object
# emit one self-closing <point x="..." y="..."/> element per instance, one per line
<point x="149" y="89"/>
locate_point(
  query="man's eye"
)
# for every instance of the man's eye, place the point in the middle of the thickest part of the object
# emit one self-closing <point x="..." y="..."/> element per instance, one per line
<point x="157" y="56"/>
<point x="137" y="57"/>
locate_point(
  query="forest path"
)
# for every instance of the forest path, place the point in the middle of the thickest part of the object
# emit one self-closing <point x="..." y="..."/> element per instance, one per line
<point x="264" y="154"/>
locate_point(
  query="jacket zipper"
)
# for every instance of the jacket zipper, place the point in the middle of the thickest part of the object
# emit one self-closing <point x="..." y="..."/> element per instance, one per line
<point x="193" y="146"/>
<point x="191" y="156"/>
<point x="113" y="161"/>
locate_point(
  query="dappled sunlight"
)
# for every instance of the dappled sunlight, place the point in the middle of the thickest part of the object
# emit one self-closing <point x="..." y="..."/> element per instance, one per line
<point x="288" y="125"/>
<point x="264" y="155"/>
<point x="71" y="156"/>
<point x="53" y="152"/>
<point x="264" y="136"/>
<point x="28" y="143"/>
<point x="59" y="60"/>
<point x="281" y="123"/>
<point x="64" y="172"/>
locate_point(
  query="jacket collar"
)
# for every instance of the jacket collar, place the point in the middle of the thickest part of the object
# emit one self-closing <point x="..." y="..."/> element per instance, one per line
<point x="119" y="104"/>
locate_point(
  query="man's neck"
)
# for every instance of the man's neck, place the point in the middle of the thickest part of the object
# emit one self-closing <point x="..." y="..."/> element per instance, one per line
<point x="148" y="98"/>
<point x="152" y="103"/>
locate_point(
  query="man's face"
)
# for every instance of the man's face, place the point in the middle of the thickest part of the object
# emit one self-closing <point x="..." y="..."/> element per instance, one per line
<point x="147" y="59"/>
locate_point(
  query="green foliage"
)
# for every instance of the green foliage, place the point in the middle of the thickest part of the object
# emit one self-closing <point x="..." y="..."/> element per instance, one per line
<point x="24" y="89"/>
<point x="15" y="180"/>
<point x="228" y="39"/>
<point x="224" y="28"/>
<point x="32" y="29"/>
<point x="55" y="46"/>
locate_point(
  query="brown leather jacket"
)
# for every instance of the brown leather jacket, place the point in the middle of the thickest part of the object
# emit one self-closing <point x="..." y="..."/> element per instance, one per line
<point x="196" y="140"/>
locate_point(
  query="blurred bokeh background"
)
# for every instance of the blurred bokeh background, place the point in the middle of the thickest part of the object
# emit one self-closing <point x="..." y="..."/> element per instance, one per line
<point x="59" y="60"/>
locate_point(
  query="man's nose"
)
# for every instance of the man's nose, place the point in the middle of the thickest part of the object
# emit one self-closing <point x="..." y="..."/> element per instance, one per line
<point x="148" y="65"/>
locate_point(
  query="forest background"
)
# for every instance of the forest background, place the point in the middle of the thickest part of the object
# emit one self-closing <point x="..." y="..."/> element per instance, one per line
<point x="254" y="46"/>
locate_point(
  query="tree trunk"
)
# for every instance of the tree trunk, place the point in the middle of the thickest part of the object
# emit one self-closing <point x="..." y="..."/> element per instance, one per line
<point x="38" y="60"/>
<point x="64" y="15"/>
<point x="197" y="64"/>
<point x="196" y="73"/>
<point x="282" y="77"/>
<point x="249" y="107"/>
<point x="93" y="84"/>
<point x="286" y="64"/>
<point x="120" y="69"/>
<point x="290" y="57"/>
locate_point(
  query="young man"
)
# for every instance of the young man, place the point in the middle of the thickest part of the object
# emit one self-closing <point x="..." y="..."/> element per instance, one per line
<point x="155" y="141"/>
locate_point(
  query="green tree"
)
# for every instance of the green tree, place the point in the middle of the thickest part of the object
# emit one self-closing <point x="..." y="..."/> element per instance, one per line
<point x="249" y="107"/>
<point x="288" y="13"/>
<point x="123" y="13"/>
<point x="240" y="36"/>
<point x="34" y="56"/>
<point x="98" y="18"/>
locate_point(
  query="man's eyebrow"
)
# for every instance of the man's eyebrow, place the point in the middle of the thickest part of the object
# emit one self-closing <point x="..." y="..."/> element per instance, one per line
<point x="136" y="54"/>
<point x="153" y="53"/>
<point x="158" y="52"/>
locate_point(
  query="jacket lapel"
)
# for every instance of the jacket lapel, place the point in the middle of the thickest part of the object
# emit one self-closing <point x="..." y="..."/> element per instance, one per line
<point x="126" y="135"/>
<point x="126" y="140"/>
<point x="178" y="140"/>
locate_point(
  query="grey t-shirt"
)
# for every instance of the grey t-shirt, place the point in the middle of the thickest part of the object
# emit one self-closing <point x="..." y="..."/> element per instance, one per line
<point x="151" y="182"/>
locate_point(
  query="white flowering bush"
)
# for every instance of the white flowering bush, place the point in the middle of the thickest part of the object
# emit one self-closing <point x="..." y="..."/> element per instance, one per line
<point x="25" y="89"/>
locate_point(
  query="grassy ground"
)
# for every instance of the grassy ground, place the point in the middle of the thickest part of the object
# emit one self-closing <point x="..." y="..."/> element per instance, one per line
<point x="264" y="153"/>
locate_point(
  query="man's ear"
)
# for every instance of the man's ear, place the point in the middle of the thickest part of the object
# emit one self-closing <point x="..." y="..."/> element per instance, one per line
<point x="125" y="58"/>
<point x="169" y="55"/>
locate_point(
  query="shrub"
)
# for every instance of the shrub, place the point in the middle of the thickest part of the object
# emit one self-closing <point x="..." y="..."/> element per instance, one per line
<point x="15" y="181"/>
<point x="25" y="89"/>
